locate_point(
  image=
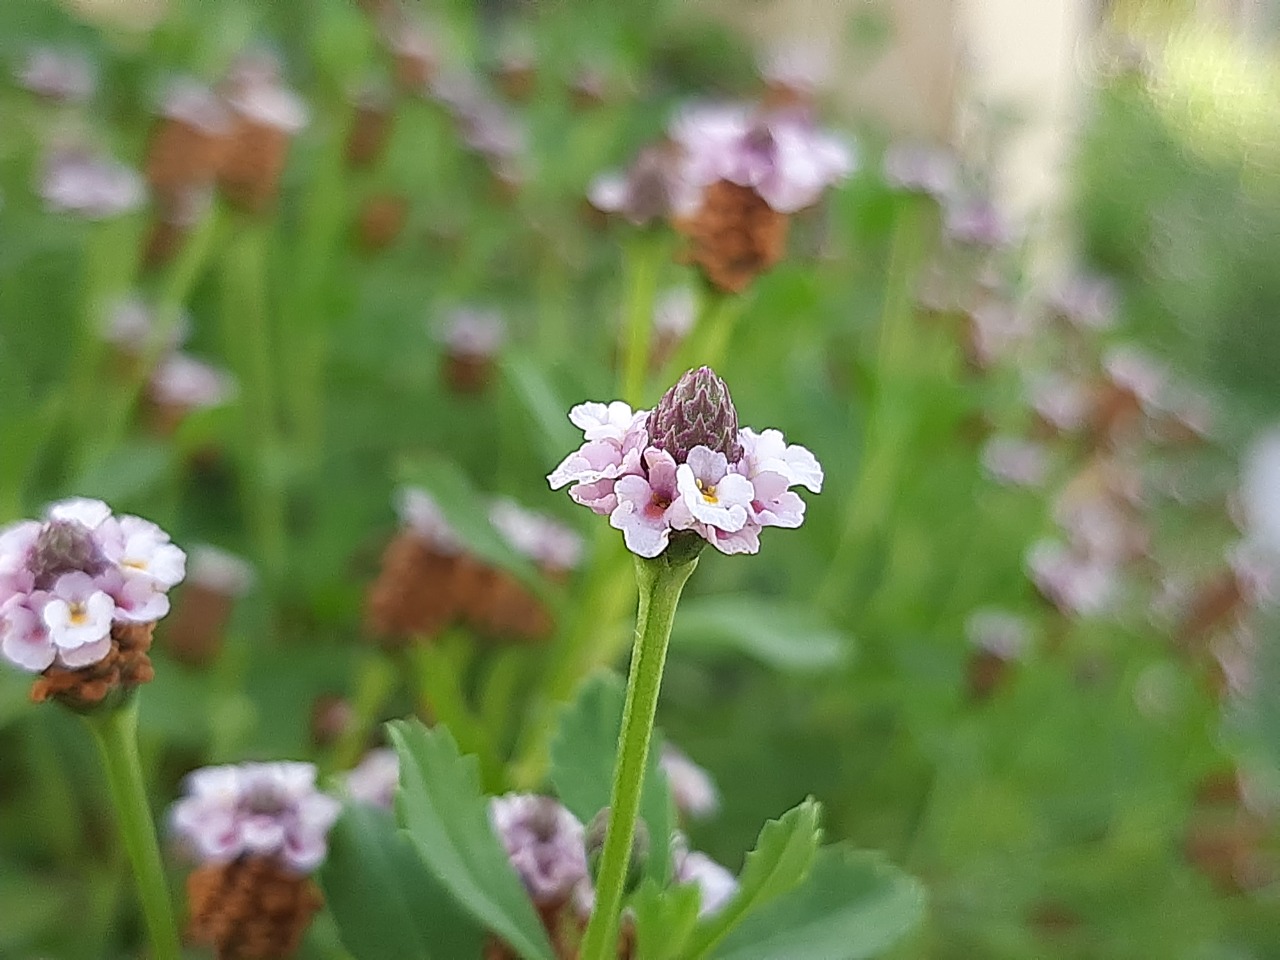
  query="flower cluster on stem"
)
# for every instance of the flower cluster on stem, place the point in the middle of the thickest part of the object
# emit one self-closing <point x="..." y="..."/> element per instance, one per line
<point x="686" y="467"/>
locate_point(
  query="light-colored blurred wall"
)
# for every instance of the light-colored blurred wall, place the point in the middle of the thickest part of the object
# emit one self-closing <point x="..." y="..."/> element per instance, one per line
<point x="945" y="64"/>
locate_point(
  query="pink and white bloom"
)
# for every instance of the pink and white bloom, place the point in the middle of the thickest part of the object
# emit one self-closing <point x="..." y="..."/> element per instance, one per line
<point x="375" y="779"/>
<point x="547" y="542"/>
<point x="66" y="581"/>
<point x="256" y="809"/>
<point x="782" y="156"/>
<point x="692" y="788"/>
<point x="545" y="843"/>
<point x="649" y="508"/>
<point x="715" y="883"/>
<point x="711" y="494"/>
<point x="422" y="516"/>
<point x="76" y="182"/>
<point x="78" y="613"/>
<point x="691" y="469"/>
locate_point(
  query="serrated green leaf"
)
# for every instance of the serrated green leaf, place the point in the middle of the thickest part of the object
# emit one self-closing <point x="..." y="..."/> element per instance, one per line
<point x="664" y="919"/>
<point x="782" y="855"/>
<point x="776" y="633"/>
<point x="446" y="815"/>
<point x="582" y="758"/>
<point x="851" y="906"/>
<point x="385" y="901"/>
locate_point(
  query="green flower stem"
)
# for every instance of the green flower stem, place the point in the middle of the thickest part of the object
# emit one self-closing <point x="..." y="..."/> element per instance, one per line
<point x="181" y="276"/>
<point x="660" y="583"/>
<point x="248" y="342"/>
<point x="644" y="260"/>
<point x="107" y="273"/>
<point x="375" y="681"/>
<point x="117" y="734"/>
<point x="890" y="423"/>
<point x="708" y="342"/>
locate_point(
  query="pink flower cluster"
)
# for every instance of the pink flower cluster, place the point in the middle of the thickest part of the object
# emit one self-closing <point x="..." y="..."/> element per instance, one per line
<point x="780" y="154"/>
<point x="256" y="809"/>
<point x="648" y="495"/>
<point x="65" y="581"/>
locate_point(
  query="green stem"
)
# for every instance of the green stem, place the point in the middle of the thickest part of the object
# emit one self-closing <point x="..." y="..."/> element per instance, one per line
<point x="708" y="342"/>
<point x="248" y="341"/>
<point x="375" y="682"/>
<point x="116" y="733"/>
<point x="890" y="421"/>
<point x="440" y="666"/>
<point x="660" y="583"/>
<point x="643" y="264"/>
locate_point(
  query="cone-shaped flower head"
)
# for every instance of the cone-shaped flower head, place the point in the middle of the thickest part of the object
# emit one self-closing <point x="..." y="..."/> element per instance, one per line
<point x="696" y="412"/>
<point x="65" y="546"/>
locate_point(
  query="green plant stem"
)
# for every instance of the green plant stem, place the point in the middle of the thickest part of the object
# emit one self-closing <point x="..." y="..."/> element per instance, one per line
<point x="181" y="276"/>
<point x="660" y="584"/>
<point x="440" y="666"/>
<point x="248" y="342"/>
<point x="890" y="421"/>
<point x="116" y="732"/>
<point x="643" y="266"/>
<point x="375" y="681"/>
<point x="708" y="342"/>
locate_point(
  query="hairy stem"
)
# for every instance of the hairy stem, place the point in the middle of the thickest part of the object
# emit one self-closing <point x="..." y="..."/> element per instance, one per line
<point x="660" y="584"/>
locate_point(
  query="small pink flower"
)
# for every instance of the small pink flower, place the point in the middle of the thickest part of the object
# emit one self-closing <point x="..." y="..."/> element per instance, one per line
<point x="183" y="381"/>
<point x="421" y="515"/>
<point x="1014" y="461"/>
<point x="543" y="540"/>
<point x="138" y="599"/>
<point x="263" y="809"/>
<point x="768" y="451"/>
<point x="606" y="421"/>
<point x="648" y="509"/>
<point x="375" y="779"/>
<point x="692" y="788"/>
<point x="147" y="552"/>
<point x="24" y="639"/>
<point x="89" y="513"/>
<point x="710" y="493"/>
<point x="78" y="613"/>
<point x="64" y="75"/>
<point x="715" y="884"/>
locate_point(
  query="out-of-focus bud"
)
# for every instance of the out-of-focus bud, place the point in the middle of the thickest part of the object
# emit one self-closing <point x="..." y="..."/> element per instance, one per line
<point x="595" y="836"/>
<point x="382" y="219"/>
<point x="370" y="127"/>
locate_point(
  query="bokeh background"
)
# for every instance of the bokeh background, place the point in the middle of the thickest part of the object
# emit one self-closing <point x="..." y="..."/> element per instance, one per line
<point x="1022" y="643"/>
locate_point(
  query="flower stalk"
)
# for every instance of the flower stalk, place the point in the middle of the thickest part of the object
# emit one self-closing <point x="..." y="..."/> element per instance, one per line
<point x="115" y="731"/>
<point x="660" y="582"/>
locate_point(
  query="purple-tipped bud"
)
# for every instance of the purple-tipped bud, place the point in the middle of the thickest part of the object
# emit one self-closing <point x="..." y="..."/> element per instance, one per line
<point x="697" y="411"/>
<point x="65" y="546"/>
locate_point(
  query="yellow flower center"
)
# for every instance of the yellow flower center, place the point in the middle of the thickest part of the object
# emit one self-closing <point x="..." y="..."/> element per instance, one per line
<point x="708" y="492"/>
<point x="79" y="614"/>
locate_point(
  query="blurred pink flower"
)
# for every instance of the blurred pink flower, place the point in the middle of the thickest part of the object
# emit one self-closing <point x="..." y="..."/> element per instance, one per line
<point x="255" y="809"/>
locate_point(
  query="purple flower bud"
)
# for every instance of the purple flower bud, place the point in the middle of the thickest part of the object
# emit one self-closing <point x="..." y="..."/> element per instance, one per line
<point x="65" y="546"/>
<point x="697" y="411"/>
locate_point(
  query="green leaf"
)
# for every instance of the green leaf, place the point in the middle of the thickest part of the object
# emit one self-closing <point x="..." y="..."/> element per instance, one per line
<point x="383" y="898"/>
<point x="664" y="919"/>
<point x="582" y="758"/>
<point x="851" y="906"/>
<point x="447" y="817"/>
<point x="776" y="633"/>
<point x="783" y="854"/>
<point x="548" y="412"/>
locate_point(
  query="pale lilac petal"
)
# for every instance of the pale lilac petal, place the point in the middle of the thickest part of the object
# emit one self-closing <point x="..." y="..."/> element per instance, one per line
<point x="85" y="655"/>
<point x="24" y="639"/>
<point x="90" y="513"/>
